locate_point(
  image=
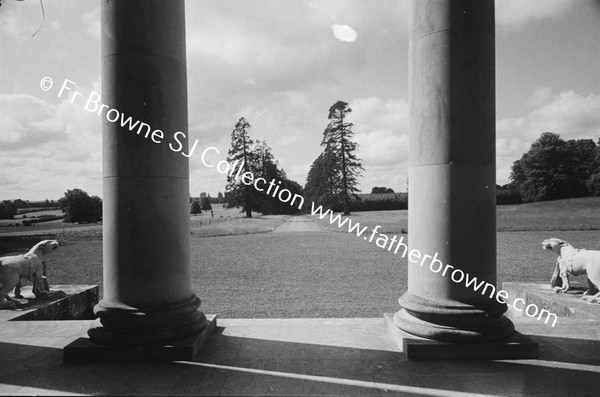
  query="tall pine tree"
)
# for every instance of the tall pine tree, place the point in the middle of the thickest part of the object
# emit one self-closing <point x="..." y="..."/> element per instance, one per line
<point x="241" y="153"/>
<point x="337" y="140"/>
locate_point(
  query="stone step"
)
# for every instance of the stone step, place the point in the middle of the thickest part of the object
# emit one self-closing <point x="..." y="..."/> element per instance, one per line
<point x="564" y="305"/>
<point x="65" y="302"/>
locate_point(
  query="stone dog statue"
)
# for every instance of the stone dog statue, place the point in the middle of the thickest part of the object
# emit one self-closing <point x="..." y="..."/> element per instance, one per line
<point x="576" y="262"/>
<point x="30" y="266"/>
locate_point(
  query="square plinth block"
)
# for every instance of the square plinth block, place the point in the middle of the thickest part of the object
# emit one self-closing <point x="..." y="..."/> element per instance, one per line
<point x="83" y="350"/>
<point x="415" y="348"/>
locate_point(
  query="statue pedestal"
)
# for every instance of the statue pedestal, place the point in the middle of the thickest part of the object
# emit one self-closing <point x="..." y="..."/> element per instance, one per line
<point x="65" y="302"/>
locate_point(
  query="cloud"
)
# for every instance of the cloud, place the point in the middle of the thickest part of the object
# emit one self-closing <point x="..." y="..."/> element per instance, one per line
<point x="344" y="33"/>
<point x="381" y="130"/>
<point x="46" y="145"/>
<point x="516" y="13"/>
<point x="18" y="19"/>
<point x="540" y="96"/>
<point x="91" y="22"/>
<point x="570" y="114"/>
<point x="27" y="122"/>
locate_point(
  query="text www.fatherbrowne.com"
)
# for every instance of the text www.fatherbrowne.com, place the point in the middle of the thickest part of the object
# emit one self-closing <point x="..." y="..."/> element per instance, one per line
<point x="396" y="245"/>
<point x="93" y="104"/>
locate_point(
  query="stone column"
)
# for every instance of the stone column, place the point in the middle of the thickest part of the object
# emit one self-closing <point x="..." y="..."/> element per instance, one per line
<point x="147" y="293"/>
<point x="452" y="179"/>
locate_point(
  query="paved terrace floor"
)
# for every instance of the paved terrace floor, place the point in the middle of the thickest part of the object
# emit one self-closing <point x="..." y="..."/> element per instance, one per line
<point x="301" y="357"/>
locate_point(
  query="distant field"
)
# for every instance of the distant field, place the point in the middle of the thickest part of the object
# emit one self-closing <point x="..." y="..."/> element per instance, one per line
<point x="569" y="214"/>
<point x="37" y="211"/>
<point x="210" y="224"/>
<point x="237" y="226"/>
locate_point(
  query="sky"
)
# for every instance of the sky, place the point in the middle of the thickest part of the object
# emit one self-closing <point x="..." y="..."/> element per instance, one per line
<point x="281" y="64"/>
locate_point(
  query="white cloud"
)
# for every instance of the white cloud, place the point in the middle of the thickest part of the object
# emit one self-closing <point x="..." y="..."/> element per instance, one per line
<point x="516" y="13"/>
<point x="27" y="122"/>
<point x="18" y="19"/>
<point x="382" y="147"/>
<point x="540" y="96"/>
<point x="48" y="145"/>
<point x="381" y="130"/>
<point x="344" y="33"/>
<point x="91" y="22"/>
<point x="572" y="115"/>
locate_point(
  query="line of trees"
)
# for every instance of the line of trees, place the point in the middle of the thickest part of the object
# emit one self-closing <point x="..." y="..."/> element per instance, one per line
<point x="202" y="203"/>
<point x="381" y="190"/>
<point x="8" y="208"/>
<point x="554" y="169"/>
<point x="256" y="158"/>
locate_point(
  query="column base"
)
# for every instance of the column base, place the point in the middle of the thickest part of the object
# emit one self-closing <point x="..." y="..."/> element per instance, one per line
<point x="119" y="324"/>
<point x="517" y="346"/>
<point x="453" y="321"/>
<point x="83" y="350"/>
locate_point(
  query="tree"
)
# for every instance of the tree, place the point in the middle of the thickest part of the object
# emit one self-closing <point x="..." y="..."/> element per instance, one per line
<point x="7" y="209"/>
<point x="78" y="206"/>
<point x="337" y="140"/>
<point x="553" y="169"/>
<point x="205" y="202"/>
<point x="20" y="203"/>
<point x="593" y="182"/>
<point x="195" y="207"/>
<point x="322" y="185"/>
<point x="580" y="165"/>
<point x="541" y="173"/>
<point x="507" y="194"/>
<point x="242" y="156"/>
<point x="379" y="190"/>
<point x="267" y="168"/>
<point x="279" y="207"/>
<point x="220" y="197"/>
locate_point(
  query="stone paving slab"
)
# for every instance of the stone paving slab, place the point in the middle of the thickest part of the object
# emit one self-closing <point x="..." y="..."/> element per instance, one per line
<point x="300" y="357"/>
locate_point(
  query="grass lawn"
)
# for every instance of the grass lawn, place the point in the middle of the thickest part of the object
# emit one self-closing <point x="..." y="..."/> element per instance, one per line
<point x="308" y="274"/>
<point x="568" y="214"/>
<point x="390" y="221"/>
<point x="235" y="226"/>
<point x="324" y="274"/>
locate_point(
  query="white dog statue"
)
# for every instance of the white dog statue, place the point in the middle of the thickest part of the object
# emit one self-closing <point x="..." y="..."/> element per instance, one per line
<point x="29" y="265"/>
<point x="576" y="262"/>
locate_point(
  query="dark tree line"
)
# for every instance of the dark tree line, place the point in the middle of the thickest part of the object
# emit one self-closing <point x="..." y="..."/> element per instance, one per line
<point x="256" y="158"/>
<point x="554" y="169"/>
<point x="8" y="209"/>
<point x="381" y="190"/>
